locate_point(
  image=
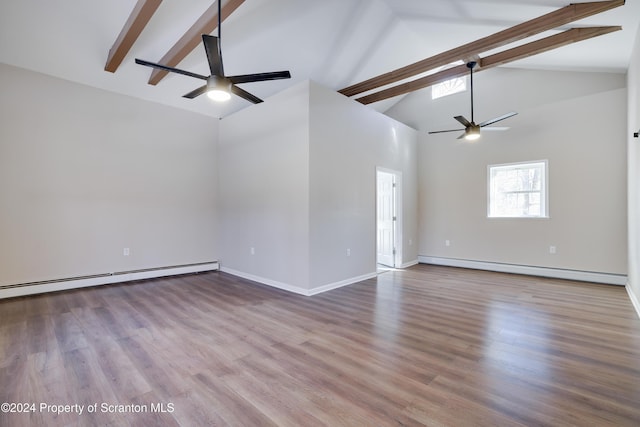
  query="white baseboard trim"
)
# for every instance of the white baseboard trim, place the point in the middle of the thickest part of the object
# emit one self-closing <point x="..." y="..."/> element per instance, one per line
<point x="557" y="273"/>
<point x="410" y="264"/>
<point x="265" y="281"/>
<point x="634" y="299"/>
<point x="103" y="279"/>
<point x="297" y="289"/>
<point x="341" y="283"/>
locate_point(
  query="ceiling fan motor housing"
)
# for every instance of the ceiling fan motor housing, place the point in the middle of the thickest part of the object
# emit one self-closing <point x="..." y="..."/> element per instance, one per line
<point x="218" y="83"/>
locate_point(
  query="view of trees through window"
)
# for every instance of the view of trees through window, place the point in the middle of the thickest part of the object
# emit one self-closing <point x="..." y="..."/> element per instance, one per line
<point x="518" y="190"/>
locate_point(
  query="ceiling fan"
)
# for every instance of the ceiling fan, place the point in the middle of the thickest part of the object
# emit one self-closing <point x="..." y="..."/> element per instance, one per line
<point x="219" y="87"/>
<point x="471" y="129"/>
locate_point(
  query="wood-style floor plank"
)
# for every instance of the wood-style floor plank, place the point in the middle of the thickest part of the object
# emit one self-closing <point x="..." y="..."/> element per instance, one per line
<point x="434" y="346"/>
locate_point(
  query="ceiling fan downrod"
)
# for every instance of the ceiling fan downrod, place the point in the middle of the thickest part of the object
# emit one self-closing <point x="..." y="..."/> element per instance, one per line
<point x="471" y="65"/>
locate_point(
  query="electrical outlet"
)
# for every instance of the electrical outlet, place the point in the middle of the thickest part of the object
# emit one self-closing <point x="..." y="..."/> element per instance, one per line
<point x="126" y="252"/>
<point x="552" y="249"/>
<point x="447" y="243"/>
<point x="348" y="252"/>
<point x="253" y="251"/>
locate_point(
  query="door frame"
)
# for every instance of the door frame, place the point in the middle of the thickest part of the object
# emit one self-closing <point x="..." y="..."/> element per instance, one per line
<point x="397" y="235"/>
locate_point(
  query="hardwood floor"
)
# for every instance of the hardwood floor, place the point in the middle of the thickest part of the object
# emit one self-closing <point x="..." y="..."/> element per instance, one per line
<point x="433" y="346"/>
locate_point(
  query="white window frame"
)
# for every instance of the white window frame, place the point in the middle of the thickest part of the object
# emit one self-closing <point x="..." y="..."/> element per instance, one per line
<point x="463" y="87"/>
<point x="544" y="187"/>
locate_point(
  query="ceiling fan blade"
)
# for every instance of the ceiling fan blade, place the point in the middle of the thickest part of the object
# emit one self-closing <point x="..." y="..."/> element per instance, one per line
<point x="214" y="54"/>
<point x="466" y="123"/>
<point x="443" y="131"/>
<point x="496" y="128"/>
<point x="196" y="92"/>
<point x="497" y="119"/>
<point x="171" y="69"/>
<point x="464" y="134"/>
<point x="260" y="77"/>
<point x="246" y="95"/>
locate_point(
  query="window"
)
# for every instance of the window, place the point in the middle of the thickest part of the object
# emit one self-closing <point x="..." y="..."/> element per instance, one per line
<point x="518" y="190"/>
<point x="448" y="87"/>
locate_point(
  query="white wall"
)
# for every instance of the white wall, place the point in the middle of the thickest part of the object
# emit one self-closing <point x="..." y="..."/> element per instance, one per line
<point x="633" y="82"/>
<point x="348" y="142"/>
<point x="85" y="173"/>
<point x="264" y="190"/>
<point x="575" y="120"/>
<point x="297" y="184"/>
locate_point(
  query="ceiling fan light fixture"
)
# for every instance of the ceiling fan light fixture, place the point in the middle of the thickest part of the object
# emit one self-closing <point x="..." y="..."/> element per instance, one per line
<point x="218" y="95"/>
<point x="472" y="133"/>
<point x="218" y="89"/>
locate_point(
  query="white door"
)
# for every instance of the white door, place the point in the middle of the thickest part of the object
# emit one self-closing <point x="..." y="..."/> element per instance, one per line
<point x="386" y="214"/>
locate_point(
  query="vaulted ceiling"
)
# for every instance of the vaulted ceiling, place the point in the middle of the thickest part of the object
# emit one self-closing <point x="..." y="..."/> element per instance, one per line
<point x="337" y="43"/>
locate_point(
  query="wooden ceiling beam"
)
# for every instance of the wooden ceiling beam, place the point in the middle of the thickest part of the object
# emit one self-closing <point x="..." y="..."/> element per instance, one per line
<point x="529" y="49"/>
<point x="138" y="19"/>
<point x="193" y="37"/>
<point x="573" y="35"/>
<point x="563" y="16"/>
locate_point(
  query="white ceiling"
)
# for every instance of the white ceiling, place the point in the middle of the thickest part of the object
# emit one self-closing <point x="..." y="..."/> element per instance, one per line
<point x="334" y="42"/>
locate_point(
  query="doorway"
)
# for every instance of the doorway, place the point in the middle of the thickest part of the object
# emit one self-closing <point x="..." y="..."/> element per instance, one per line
<point x="387" y="215"/>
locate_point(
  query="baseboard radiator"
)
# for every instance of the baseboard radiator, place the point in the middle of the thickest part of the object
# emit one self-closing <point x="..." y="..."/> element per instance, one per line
<point x="29" y="288"/>
<point x="557" y="273"/>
